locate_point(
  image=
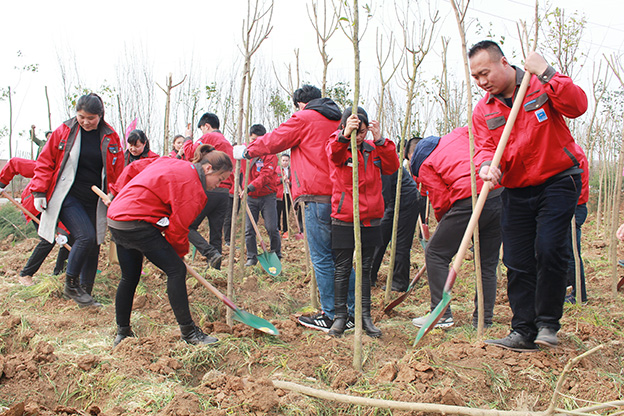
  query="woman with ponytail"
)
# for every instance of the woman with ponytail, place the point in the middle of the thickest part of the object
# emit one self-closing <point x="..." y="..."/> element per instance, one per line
<point x="150" y="217"/>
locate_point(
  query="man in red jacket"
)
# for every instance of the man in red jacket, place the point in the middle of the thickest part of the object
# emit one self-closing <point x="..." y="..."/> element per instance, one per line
<point x="442" y="166"/>
<point x="306" y="134"/>
<point x="541" y="175"/>
<point x="218" y="205"/>
<point x="261" y="191"/>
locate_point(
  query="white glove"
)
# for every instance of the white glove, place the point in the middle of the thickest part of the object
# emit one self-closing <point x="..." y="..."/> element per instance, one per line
<point x="61" y="239"/>
<point x="40" y="203"/>
<point x="239" y="151"/>
<point x="1" y="189"/>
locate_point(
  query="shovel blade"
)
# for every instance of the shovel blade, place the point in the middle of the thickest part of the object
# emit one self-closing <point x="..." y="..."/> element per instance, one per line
<point x="255" y="322"/>
<point x="270" y="263"/>
<point x="434" y="317"/>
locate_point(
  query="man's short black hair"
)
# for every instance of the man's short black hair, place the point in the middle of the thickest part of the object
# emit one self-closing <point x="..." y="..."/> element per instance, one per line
<point x="411" y="142"/>
<point x="491" y="47"/>
<point x="305" y="94"/>
<point x="257" y="129"/>
<point x="209" y="118"/>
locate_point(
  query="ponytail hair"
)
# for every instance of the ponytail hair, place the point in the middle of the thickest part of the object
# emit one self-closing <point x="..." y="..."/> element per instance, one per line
<point x="219" y="161"/>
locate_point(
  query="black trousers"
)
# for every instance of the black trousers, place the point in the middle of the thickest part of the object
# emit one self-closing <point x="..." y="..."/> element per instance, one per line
<point x="283" y="205"/>
<point x="446" y="240"/>
<point x="149" y="242"/>
<point x="40" y="253"/>
<point x="408" y="217"/>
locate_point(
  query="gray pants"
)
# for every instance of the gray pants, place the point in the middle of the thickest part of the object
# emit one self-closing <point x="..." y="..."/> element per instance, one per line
<point x="267" y="206"/>
<point x="446" y="240"/>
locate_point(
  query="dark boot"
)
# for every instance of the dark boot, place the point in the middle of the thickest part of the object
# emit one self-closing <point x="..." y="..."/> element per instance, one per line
<point x="193" y="335"/>
<point x="87" y="288"/>
<point x="74" y="291"/>
<point x="367" y="322"/>
<point x="341" y="288"/>
<point x="123" y="332"/>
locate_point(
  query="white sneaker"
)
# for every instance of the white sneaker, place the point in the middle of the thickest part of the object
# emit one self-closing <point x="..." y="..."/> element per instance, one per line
<point x="442" y="323"/>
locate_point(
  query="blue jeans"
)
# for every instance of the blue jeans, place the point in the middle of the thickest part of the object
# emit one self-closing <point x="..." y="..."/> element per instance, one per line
<point x="318" y="228"/>
<point x="80" y="220"/>
<point x="536" y="234"/>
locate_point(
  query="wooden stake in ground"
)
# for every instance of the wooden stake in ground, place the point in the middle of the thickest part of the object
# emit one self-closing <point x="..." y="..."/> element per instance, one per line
<point x="167" y="92"/>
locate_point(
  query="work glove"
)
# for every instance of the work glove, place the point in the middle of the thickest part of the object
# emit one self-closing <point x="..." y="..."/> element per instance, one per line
<point x="240" y="151"/>
<point x="61" y="239"/>
<point x="2" y="188"/>
<point x="40" y="203"/>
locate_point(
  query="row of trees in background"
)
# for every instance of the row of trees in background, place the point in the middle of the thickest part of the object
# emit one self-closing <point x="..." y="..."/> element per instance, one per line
<point x="407" y="100"/>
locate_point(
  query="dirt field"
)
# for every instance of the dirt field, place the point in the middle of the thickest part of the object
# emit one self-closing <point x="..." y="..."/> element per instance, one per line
<point x="57" y="359"/>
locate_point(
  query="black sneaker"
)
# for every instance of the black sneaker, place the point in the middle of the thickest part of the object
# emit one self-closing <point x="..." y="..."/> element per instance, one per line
<point x="215" y="261"/>
<point x="514" y="342"/>
<point x="252" y="262"/>
<point x="547" y="337"/>
<point x="320" y="322"/>
<point x="350" y="323"/>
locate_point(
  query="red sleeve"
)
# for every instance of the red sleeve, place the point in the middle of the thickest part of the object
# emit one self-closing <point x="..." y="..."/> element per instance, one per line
<point x="566" y="97"/>
<point x="189" y="149"/>
<point x="389" y="159"/>
<point x="284" y="137"/>
<point x="267" y="171"/>
<point x="115" y="162"/>
<point x="17" y="166"/>
<point x="439" y="195"/>
<point x="485" y="144"/>
<point x="129" y="172"/>
<point x="337" y="151"/>
<point x="50" y="156"/>
<point x="186" y="203"/>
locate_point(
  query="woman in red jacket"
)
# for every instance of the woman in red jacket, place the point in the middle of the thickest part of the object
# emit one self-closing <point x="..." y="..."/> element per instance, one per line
<point x="164" y="198"/>
<point x="138" y="147"/>
<point x="84" y="151"/>
<point x="375" y="158"/>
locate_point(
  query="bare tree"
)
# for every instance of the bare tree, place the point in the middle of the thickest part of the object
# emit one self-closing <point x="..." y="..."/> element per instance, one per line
<point x="167" y="92"/>
<point x="324" y="29"/>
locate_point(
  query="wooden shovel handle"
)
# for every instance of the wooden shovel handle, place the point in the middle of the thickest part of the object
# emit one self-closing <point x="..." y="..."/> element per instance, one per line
<point x="255" y="227"/>
<point x="101" y="194"/>
<point x="211" y="288"/>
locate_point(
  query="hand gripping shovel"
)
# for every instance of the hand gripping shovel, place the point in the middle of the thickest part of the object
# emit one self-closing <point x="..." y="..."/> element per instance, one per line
<point x="268" y="260"/>
<point x="436" y="314"/>
<point x="239" y="314"/>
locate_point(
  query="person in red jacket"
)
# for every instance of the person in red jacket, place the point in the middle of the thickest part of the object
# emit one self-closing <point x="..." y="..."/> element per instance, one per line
<point x="163" y="198"/>
<point x="540" y="172"/>
<point x="84" y="151"/>
<point x="218" y="205"/>
<point x="306" y="134"/>
<point x="580" y="215"/>
<point x="284" y="201"/>
<point x="138" y="147"/>
<point x="26" y="167"/>
<point x="375" y="158"/>
<point x="442" y="167"/>
<point x="178" y="143"/>
<point x="261" y="191"/>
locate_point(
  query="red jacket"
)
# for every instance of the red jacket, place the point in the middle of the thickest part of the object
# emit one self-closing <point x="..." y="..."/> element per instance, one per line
<point x="262" y="176"/>
<point x="166" y="188"/>
<point x="445" y="173"/>
<point x="129" y="172"/>
<point x="540" y="145"/>
<point x="306" y="134"/>
<point x="373" y="162"/>
<point x="25" y="167"/>
<point x="219" y="142"/>
<point x="279" y="185"/>
<point x="53" y="157"/>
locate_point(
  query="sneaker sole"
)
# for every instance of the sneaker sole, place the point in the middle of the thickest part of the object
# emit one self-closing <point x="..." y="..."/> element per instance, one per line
<point x="311" y="326"/>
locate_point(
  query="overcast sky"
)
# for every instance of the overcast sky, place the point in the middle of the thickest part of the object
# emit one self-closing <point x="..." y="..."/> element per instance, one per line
<point x="210" y="31"/>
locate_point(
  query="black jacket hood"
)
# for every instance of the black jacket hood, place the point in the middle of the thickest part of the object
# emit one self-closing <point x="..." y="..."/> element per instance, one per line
<point x="326" y="107"/>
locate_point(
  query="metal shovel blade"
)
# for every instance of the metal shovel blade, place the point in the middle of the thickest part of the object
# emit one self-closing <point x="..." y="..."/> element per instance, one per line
<point x="434" y="316"/>
<point x="255" y="322"/>
<point x="270" y="263"/>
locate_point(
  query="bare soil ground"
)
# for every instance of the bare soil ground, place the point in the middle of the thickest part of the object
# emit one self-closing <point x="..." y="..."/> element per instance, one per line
<point x="57" y="359"/>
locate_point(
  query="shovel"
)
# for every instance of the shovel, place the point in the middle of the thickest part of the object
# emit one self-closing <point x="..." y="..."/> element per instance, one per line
<point x="112" y="248"/>
<point x="268" y="260"/>
<point x="439" y="310"/>
<point x="239" y="314"/>
<point x="299" y="235"/>
<point x="411" y="286"/>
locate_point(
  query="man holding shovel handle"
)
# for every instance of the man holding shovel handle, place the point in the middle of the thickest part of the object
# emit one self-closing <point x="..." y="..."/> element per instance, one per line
<point x="540" y="173"/>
